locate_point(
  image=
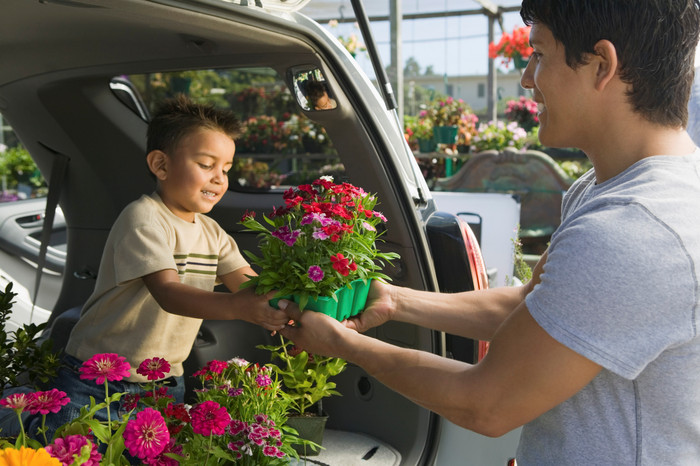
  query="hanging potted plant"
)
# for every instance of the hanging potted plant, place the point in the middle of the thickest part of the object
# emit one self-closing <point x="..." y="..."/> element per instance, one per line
<point x="513" y="47"/>
<point x="445" y="114"/>
<point x="305" y="379"/>
<point x="320" y="248"/>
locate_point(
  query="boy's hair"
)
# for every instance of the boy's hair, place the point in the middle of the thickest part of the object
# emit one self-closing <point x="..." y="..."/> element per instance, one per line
<point x="179" y="116"/>
<point x="655" y="42"/>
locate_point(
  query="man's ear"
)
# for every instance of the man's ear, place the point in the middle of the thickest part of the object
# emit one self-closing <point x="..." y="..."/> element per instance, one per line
<point x="158" y="163"/>
<point x="605" y="58"/>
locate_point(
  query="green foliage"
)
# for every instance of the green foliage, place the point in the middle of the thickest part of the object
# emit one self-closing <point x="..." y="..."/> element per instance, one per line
<point x="18" y="167"/>
<point x="23" y="358"/>
<point x="305" y="376"/>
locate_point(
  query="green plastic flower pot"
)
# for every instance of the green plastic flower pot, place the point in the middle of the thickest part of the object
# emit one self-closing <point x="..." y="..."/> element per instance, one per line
<point x="309" y="428"/>
<point x="359" y="301"/>
<point x="351" y="301"/>
<point x="445" y="134"/>
<point x="323" y="304"/>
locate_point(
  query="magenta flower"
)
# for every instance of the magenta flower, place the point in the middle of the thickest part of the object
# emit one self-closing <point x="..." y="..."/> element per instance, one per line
<point x="64" y="449"/>
<point x="48" y="402"/>
<point x="315" y="273"/>
<point x="147" y="435"/>
<point x="162" y="459"/>
<point x="237" y="426"/>
<point x="17" y="401"/>
<point x="106" y="366"/>
<point x="319" y="234"/>
<point x="209" y="418"/>
<point x="272" y="452"/>
<point x="235" y="391"/>
<point x="285" y="234"/>
<point x="154" y="369"/>
<point x="367" y="226"/>
<point x="263" y="380"/>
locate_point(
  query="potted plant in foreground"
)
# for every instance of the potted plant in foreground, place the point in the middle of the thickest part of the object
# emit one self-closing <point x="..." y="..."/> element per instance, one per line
<point x="305" y="379"/>
<point x="320" y="249"/>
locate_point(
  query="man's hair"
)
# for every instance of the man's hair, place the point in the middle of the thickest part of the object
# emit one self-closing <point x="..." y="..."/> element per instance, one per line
<point x="655" y="42"/>
<point x="180" y="116"/>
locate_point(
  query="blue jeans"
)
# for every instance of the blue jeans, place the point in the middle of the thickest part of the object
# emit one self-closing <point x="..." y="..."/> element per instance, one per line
<point x="79" y="391"/>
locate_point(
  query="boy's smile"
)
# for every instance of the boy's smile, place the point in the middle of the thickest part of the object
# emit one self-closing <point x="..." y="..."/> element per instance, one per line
<point x="196" y="173"/>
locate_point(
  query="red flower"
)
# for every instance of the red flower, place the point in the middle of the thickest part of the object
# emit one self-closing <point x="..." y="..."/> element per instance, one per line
<point x="106" y="366"/>
<point x="343" y="265"/>
<point x="154" y="369"/>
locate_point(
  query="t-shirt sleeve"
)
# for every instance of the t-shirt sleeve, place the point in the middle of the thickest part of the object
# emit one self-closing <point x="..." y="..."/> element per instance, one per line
<point x="230" y="257"/>
<point x="140" y="251"/>
<point x="619" y="299"/>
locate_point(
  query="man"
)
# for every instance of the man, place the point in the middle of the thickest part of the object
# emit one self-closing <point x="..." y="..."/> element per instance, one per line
<point x="597" y="355"/>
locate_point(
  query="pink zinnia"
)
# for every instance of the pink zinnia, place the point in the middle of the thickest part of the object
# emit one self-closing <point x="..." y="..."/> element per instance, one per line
<point x="17" y="401"/>
<point x="154" y="369"/>
<point x="48" y="402"/>
<point x="106" y="366"/>
<point x="209" y="418"/>
<point x="63" y="450"/>
<point x="147" y="435"/>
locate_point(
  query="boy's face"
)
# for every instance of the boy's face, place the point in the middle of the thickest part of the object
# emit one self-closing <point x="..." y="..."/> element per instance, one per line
<point x="196" y="173"/>
<point x="558" y="90"/>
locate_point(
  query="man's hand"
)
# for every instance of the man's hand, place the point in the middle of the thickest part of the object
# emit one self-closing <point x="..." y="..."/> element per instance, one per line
<point x="381" y="307"/>
<point x="315" y="332"/>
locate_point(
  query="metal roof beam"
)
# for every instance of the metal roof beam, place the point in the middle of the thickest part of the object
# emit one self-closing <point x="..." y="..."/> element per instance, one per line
<point x="437" y="14"/>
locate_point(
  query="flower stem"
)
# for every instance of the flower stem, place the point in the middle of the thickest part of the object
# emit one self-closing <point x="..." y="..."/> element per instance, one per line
<point x="109" y="420"/>
<point x="21" y="427"/>
<point x="43" y="428"/>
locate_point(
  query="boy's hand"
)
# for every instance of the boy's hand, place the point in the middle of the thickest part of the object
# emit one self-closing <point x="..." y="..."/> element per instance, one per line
<point x="258" y="310"/>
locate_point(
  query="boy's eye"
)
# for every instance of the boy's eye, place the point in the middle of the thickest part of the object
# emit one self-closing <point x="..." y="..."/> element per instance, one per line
<point x="205" y="166"/>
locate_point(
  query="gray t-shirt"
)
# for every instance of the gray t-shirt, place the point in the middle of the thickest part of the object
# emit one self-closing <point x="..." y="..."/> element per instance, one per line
<point x="620" y="287"/>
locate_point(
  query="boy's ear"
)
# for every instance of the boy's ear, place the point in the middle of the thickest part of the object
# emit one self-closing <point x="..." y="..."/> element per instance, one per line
<point x="606" y="63"/>
<point x="158" y="163"/>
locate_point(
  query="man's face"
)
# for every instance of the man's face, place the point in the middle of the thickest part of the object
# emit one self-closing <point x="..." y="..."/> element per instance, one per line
<point x="196" y="175"/>
<point x="558" y="90"/>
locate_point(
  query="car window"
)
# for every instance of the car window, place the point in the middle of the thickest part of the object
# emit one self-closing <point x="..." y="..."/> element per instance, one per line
<point x="280" y="146"/>
<point x="19" y="176"/>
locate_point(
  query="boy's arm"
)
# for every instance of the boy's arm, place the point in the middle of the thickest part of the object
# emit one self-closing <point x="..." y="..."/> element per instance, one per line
<point x="185" y="300"/>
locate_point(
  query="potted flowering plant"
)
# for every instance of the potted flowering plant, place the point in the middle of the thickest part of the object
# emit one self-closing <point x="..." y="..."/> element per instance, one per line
<point x="320" y="248"/>
<point x="497" y="135"/>
<point x="420" y="130"/>
<point x="445" y="114"/>
<point x="466" y="131"/>
<point x="523" y="111"/>
<point x="514" y="46"/>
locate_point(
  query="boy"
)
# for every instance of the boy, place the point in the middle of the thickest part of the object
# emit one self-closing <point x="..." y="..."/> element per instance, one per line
<point x="162" y="259"/>
<point x="598" y="354"/>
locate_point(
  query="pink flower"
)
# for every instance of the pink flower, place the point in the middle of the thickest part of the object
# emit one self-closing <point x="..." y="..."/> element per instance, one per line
<point x="263" y="380"/>
<point x="237" y="426"/>
<point x="106" y="366"/>
<point x="154" y="369"/>
<point x="17" y="401"/>
<point x="63" y="450"/>
<point x="147" y="435"/>
<point x="48" y="402"/>
<point x="271" y="451"/>
<point x="209" y="418"/>
<point x="217" y="367"/>
<point x="162" y="459"/>
<point x="315" y="273"/>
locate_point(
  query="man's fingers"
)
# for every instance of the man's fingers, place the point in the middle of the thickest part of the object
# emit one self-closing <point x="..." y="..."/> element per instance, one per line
<point x="291" y="309"/>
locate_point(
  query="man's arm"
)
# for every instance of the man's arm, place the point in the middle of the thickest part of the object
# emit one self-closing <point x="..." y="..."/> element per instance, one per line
<point x="524" y="374"/>
<point x="472" y="314"/>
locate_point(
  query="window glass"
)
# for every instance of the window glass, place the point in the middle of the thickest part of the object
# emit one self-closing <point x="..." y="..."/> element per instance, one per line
<point x="280" y="146"/>
<point x="19" y="176"/>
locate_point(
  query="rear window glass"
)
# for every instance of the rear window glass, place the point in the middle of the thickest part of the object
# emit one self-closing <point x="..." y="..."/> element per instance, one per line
<point x="280" y="146"/>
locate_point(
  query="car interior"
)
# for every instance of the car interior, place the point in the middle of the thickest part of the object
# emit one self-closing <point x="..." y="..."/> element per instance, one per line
<point x="78" y="80"/>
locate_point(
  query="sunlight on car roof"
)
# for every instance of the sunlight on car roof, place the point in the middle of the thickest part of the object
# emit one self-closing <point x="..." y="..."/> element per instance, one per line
<point x="274" y="5"/>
